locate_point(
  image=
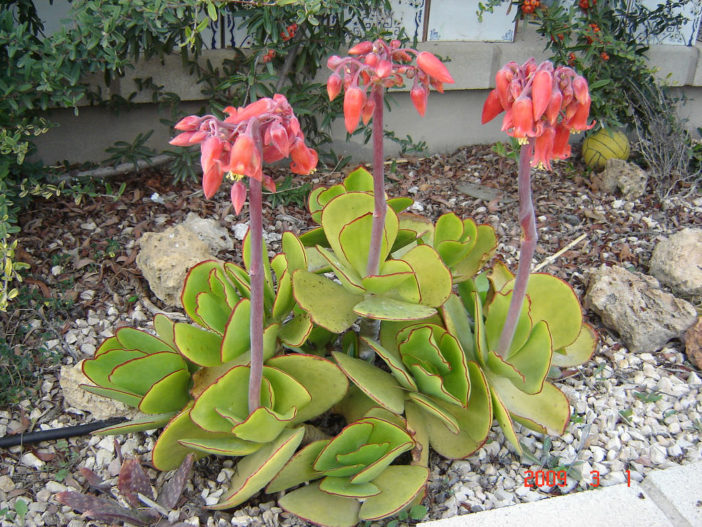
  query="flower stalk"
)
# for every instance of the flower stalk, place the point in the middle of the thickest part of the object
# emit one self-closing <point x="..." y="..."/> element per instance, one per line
<point x="257" y="277"/>
<point x="527" y="222"/>
<point x="378" y="183"/>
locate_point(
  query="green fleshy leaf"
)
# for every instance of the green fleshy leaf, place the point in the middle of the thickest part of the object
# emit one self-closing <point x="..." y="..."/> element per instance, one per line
<point x="329" y="304"/>
<point x="198" y="345"/>
<point x="392" y="275"/>
<point x="394" y="363"/>
<point x="294" y="252"/>
<point x="213" y="311"/>
<point x="433" y="277"/>
<point x="496" y="314"/>
<point x="350" y="439"/>
<point x="130" y="399"/>
<point x="504" y="420"/>
<point x="314" y="205"/>
<point x="284" y="300"/>
<point x="400" y="204"/>
<point x="139" y="424"/>
<point x="399" y="485"/>
<point x="228" y="393"/>
<point x="311" y="504"/>
<point x="197" y="281"/>
<point x="417" y="426"/>
<point x="262" y="425"/>
<point x="533" y="360"/>
<point x="164" y="328"/>
<point x="360" y="180"/>
<point x="344" y="487"/>
<point x="481" y="347"/>
<point x="240" y="278"/>
<point x="136" y="339"/>
<point x="237" y="338"/>
<point x="299" y="469"/>
<point x="346" y="275"/>
<point x="482" y="251"/>
<point x="139" y="375"/>
<point x="99" y="369"/>
<point x="452" y="252"/>
<point x="256" y="470"/>
<point x="170" y="394"/>
<point x="473" y="422"/>
<point x="375" y="469"/>
<point x="353" y="240"/>
<point x="168" y="453"/>
<point x="455" y="318"/>
<point x="421" y="226"/>
<point x="294" y="332"/>
<point x="579" y="351"/>
<point x="448" y="227"/>
<point x="324" y="381"/>
<point x="554" y="301"/>
<point x="221" y="446"/>
<point x="374" y="382"/>
<point x="432" y="408"/>
<point x="313" y="238"/>
<point x="500" y="276"/>
<point x="546" y="411"/>
<point x="384" y="308"/>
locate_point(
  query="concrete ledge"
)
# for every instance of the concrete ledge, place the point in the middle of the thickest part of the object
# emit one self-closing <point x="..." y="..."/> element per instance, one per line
<point x="671" y="497"/>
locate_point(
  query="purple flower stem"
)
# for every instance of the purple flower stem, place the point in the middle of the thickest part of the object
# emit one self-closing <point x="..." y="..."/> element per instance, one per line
<point x="378" y="184"/>
<point x="527" y="221"/>
<point x="257" y="277"/>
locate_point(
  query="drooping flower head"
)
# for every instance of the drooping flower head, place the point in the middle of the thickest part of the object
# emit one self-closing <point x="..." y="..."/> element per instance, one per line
<point x="264" y="131"/>
<point x="379" y="63"/>
<point x="542" y="103"/>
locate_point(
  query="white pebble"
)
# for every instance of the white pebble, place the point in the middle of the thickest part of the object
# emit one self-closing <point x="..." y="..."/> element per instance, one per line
<point x="31" y="460"/>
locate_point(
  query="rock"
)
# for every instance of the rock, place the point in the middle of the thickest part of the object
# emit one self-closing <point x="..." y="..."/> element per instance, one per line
<point x="693" y="344"/>
<point x="70" y="379"/>
<point x="209" y="231"/>
<point x="677" y="263"/>
<point x="165" y="258"/>
<point x="633" y="305"/>
<point x="629" y="178"/>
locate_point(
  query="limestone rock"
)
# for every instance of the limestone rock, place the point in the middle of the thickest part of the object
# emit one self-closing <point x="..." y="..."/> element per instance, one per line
<point x="677" y="262"/>
<point x="165" y="258"/>
<point x="74" y="396"/>
<point x="693" y="344"/>
<point x="629" y="178"/>
<point x="633" y="305"/>
<point x="209" y="231"/>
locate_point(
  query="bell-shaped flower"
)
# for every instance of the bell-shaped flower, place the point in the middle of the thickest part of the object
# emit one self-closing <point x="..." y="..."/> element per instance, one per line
<point x="304" y="159"/>
<point x="543" y="148"/>
<point x="541" y="88"/>
<point x="361" y="48"/>
<point x="354" y="99"/>
<point x="246" y="158"/>
<point x="276" y="144"/>
<point x="367" y="111"/>
<point x="212" y="179"/>
<point x="492" y="107"/>
<point x="561" y="147"/>
<point x="523" y="117"/>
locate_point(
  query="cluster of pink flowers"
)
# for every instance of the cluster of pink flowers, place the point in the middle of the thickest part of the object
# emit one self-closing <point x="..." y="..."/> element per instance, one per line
<point x="265" y="130"/>
<point x="542" y="103"/>
<point x="377" y="63"/>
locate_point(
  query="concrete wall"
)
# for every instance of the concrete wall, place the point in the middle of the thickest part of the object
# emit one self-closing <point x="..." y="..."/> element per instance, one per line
<point x="452" y="120"/>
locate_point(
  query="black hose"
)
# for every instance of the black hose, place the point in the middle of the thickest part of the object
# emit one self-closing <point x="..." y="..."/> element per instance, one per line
<point x="57" y="433"/>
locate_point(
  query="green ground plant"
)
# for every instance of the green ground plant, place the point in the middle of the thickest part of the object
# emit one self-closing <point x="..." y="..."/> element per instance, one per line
<point x="391" y="320"/>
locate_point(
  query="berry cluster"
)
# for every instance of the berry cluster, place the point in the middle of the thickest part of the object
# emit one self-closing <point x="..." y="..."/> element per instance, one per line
<point x="529" y="6"/>
<point x="270" y="54"/>
<point x="587" y="4"/>
<point x="288" y="32"/>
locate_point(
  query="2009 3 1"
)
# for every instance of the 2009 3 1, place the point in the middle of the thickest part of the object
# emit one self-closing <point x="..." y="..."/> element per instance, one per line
<point x="553" y="478"/>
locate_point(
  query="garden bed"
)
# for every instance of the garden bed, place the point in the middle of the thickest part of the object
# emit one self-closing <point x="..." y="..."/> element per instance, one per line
<point x="632" y="413"/>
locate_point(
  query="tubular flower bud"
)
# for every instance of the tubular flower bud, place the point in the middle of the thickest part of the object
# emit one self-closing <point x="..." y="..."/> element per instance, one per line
<point x="188" y="124"/>
<point x="419" y="96"/>
<point x="361" y="48"/>
<point x="541" y="92"/>
<point x="492" y="107"/>
<point x="433" y="67"/>
<point x="246" y="158"/>
<point x="182" y="139"/>
<point x="367" y="111"/>
<point x="238" y="196"/>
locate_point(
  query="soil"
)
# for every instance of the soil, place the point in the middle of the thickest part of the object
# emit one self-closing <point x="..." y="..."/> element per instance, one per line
<point x="78" y="270"/>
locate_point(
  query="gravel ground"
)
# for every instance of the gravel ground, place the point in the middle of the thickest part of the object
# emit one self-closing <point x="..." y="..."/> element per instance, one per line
<point x="632" y="413"/>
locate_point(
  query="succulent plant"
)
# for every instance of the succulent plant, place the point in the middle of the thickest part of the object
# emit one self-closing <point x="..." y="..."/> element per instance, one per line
<point x="550" y="331"/>
<point x="443" y="394"/>
<point x="357" y="479"/>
